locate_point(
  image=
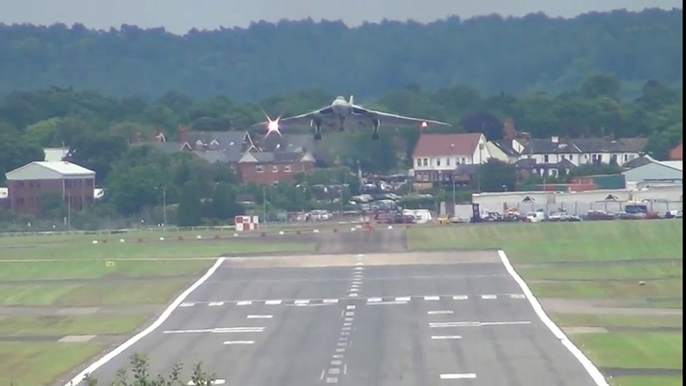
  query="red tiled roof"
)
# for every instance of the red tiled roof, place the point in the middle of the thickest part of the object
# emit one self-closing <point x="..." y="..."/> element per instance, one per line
<point x="434" y="145"/>
<point x="676" y="154"/>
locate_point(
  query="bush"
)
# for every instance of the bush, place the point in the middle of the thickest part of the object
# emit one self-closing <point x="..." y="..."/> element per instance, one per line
<point x="139" y="369"/>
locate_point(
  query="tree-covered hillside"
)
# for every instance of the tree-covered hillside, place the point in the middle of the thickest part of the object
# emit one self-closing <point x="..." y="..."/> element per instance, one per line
<point x="490" y="53"/>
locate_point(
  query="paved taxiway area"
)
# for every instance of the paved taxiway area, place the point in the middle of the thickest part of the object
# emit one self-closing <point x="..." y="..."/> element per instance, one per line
<point x="450" y="318"/>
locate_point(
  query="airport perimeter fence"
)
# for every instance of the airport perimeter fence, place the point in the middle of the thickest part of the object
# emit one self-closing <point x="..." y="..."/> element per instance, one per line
<point x="577" y="208"/>
<point x="8" y="229"/>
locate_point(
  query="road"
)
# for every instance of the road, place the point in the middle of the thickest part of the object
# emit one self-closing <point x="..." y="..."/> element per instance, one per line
<point x="448" y="318"/>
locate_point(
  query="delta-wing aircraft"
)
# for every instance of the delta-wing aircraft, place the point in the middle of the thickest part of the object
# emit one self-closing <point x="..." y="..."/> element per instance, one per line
<point x="341" y="113"/>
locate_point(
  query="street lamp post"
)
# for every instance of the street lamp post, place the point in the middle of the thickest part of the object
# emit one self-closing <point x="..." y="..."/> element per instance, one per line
<point x="164" y="206"/>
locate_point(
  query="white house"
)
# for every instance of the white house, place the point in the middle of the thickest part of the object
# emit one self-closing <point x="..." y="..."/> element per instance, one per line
<point x="549" y="156"/>
<point x="55" y="154"/>
<point x="505" y="150"/>
<point x="437" y="156"/>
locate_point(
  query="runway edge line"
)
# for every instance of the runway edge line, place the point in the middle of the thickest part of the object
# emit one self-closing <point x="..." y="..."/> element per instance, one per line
<point x="592" y="370"/>
<point x="157" y="323"/>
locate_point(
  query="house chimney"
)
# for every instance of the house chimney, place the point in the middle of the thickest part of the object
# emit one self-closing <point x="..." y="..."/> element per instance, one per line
<point x="509" y="131"/>
<point x="181" y="134"/>
<point x="555" y="139"/>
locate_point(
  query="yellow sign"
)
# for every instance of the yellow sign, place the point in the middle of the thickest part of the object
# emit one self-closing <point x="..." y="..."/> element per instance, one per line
<point x="109" y="264"/>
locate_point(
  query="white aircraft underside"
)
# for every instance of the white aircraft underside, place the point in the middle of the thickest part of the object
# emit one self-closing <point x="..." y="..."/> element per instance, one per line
<point x="343" y="114"/>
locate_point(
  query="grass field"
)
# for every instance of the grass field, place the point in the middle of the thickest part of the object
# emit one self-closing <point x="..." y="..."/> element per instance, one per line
<point x="60" y="325"/>
<point x="54" y="272"/>
<point x="595" y="262"/>
<point x="550" y="242"/>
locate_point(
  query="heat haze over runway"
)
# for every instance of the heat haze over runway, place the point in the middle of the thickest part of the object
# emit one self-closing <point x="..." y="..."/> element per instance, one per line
<point x="366" y="317"/>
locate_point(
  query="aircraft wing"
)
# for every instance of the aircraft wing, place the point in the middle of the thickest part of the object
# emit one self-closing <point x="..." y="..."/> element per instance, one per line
<point x="300" y="120"/>
<point x="395" y="119"/>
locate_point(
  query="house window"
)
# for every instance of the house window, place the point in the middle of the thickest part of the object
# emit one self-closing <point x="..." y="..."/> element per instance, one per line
<point x="418" y="162"/>
<point x="275" y="169"/>
<point x="438" y="162"/>
<point x="426" y="162"/>
<point x="259" y="168"/>
<point x="546" y="158"/>
<point x="626" y="157"/>
<point x="447" y="162"/>
<point x="287" y="168"/>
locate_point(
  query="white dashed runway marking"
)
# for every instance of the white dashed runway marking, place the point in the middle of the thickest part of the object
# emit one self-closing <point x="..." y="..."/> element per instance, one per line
<point x="355" y="289"/>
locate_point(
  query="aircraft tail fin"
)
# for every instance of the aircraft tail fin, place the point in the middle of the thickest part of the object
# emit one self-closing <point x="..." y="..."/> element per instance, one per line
<point x="351" y="100"/>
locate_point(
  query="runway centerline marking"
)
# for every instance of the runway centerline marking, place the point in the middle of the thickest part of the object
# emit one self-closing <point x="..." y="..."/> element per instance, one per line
<point x="259" y="316"/>
<point x="441" y="337"/>
<point x="229" y="342"/>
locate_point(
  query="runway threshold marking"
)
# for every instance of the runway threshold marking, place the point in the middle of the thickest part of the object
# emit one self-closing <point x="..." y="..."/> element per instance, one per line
<point x="458" y="376"/>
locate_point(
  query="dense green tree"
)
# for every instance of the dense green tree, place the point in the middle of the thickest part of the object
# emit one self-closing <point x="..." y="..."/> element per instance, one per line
<point x="15" y="153"/>
<point x="489" y="53"/>
<point x="496" y="176"/>
<point x="190" y="206"/>
<point x="97" y="151"/>
<point x="223" y="205"/>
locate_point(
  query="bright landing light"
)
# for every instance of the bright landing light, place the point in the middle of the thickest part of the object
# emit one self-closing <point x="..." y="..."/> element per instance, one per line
<point x="273" y="126"/>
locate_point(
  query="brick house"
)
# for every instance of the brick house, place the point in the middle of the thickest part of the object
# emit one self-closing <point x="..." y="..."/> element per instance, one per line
<point x="677" y="153"/>
<point x="28" y="184"/>
<point x="272" y="167"/>
<point x="438" y="157"/>
<point x="225" y="147"/>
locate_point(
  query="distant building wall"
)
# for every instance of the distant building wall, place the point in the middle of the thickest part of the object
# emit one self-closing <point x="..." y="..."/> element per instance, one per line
<point x="611" y="200"/>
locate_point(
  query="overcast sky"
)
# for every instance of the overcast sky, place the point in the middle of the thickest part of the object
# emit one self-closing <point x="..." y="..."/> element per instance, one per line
<point x="179" y="16"/>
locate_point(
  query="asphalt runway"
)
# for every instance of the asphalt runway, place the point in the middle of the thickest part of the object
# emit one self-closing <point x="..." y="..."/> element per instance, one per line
<point x="448" y="318"/>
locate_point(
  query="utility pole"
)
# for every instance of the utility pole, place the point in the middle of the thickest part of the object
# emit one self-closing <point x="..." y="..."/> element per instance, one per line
<point x="164" y="205"/>
<point x="68" y="212"/>
<point x="264" y="203"/>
